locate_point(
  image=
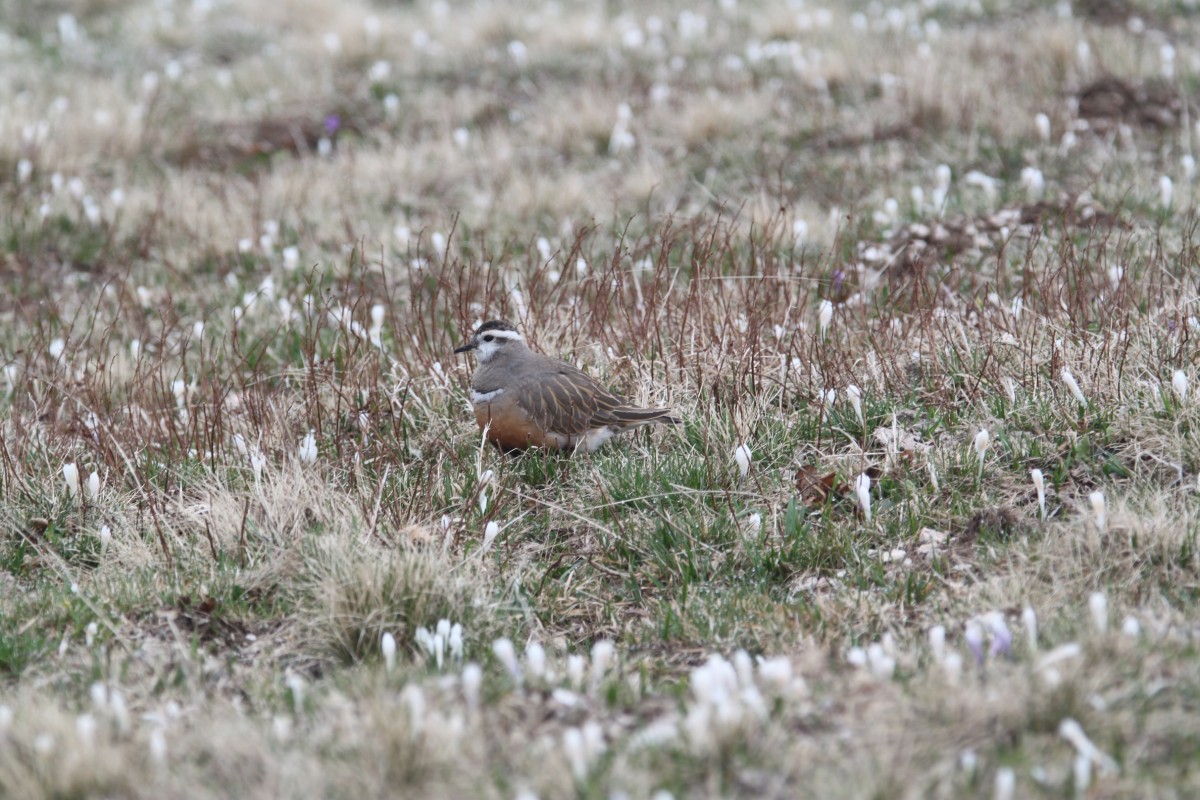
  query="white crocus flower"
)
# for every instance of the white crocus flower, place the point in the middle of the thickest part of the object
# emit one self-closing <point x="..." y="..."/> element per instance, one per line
<point x="983" y="441"/>
<point x="71" y="476"/>
<point x="1073" y="385"/>
<point x="1039" y="483"/>
<point x="743" y="456"/>
<point x="1179" y="382"/>
<point x="824" y="316"/>
<point x="1099" y="510"/>
<point x="308" y="448"/>
<point x="854" y="394"/>
<point x="862" y="488"/>
<point x="490" y="531"/>
<point x="1098" y="608"/>
<point x="388" y="646"/>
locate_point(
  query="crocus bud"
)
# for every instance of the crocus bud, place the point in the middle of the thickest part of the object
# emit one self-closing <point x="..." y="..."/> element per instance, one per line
<point x="1042" y="123"/>
<point x="472" y="681"/>
<point x="1082" y="771"/>
<point x="388" y="646"/>
<point x="937" y="642"/>
<point x="952" y="666"/>
<point x="983" y="440"/>
<point x="1033" y="181"/>
<point x="1098" y="608"/>
<point x="1039" y="483"/>
<point x="295" y="685"/>
<point x="71" y="476"/>
<point x="506" y="654"/>
<point x="862" y="488"/>
<point x="743" y="456"/>
<point x="576" y="753"/>
<point x="157" y="745"/>
<point x="1030" y="622"/>
<point x="824" y="316"/>
<point x="575" y="668"/>
<point x="1001" y="635"/>
<point x="973" y="636"/>
<point x="490" y="531"/>
<point x="602" y="655"/>
<point x="1099" y="510"/>
<point x="535" y="660"/>
<point x="882" y="665"/>
<point x="1179" y="382"/>
<point x="854" y="395"/>
<point x="308" y="448"/>
<point x="1006" y="783"/>
<point x="1073" y="386"/>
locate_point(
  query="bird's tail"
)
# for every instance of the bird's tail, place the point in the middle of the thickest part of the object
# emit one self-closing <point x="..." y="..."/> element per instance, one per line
<point x="631" y="416"/>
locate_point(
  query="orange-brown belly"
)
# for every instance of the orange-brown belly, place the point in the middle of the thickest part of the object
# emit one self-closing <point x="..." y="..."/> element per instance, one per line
<point x="510" y="429"/>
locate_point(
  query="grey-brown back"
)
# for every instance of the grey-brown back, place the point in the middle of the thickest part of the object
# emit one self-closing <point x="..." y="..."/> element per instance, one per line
<point x="557" y="396"/>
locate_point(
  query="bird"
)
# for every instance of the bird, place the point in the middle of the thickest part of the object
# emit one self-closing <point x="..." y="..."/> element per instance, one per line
<point x="524" y="399"/>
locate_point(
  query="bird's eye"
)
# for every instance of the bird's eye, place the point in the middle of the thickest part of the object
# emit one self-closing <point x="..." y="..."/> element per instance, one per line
<point x="489" y="338"/>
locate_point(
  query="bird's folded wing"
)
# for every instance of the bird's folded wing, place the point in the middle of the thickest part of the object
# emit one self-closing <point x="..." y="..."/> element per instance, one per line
<point x="570" y="402"/>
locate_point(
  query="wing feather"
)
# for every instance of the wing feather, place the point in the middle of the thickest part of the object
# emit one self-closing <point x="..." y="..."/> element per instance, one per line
<point x="566" y="400"/>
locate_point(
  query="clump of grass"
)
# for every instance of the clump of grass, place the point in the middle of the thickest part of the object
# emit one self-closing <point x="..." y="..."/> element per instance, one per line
<point x="353" y="593"/>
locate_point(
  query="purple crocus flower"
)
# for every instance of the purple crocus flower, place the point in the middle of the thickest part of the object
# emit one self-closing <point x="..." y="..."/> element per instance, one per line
<point x="1001" y="635"/>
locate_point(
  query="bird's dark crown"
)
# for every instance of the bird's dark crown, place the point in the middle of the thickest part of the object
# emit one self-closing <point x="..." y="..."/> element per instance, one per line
<point x="495" y="325"/>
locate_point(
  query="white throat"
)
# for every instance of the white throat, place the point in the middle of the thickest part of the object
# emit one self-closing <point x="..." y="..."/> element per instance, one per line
<point x="487" y="350"/>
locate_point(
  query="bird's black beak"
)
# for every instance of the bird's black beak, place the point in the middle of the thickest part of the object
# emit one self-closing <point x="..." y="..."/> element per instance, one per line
<point x="468" y="347"/>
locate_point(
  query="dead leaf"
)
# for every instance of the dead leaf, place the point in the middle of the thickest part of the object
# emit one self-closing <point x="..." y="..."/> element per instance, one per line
<point x="815" y="488"/>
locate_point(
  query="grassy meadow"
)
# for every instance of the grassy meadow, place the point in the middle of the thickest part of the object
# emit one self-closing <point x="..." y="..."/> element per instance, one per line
<point x="922" y="281"/>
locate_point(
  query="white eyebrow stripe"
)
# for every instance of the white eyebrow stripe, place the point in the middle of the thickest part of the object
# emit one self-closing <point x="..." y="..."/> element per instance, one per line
<point x="510" y="335"/>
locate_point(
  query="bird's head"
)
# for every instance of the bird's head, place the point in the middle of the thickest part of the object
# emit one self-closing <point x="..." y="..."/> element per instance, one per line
<point x="491" y="338"/>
